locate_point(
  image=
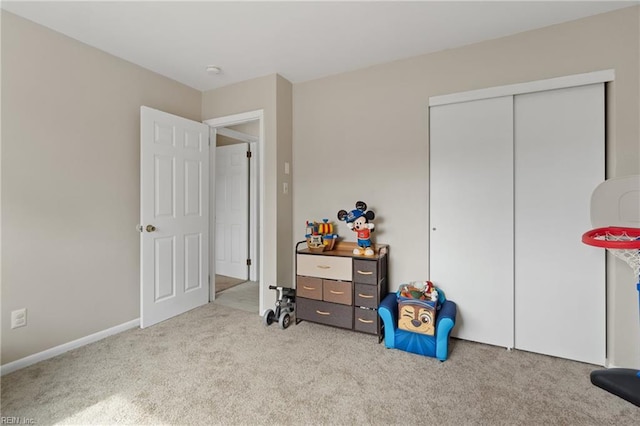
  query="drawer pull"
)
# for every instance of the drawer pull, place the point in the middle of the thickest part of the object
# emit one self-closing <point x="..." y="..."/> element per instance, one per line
<point x="308" y="288"/>
<point x="364" y="272"/>
<point x="365" y="321"/>
<point x="322" y="313"/>
<point x="323" y="266"/>
<point x="365" y="296"/>
<point x="336" y="292"/>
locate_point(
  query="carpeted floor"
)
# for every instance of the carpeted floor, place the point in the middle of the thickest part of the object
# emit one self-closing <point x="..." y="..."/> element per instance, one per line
<point x="220" y="365"/>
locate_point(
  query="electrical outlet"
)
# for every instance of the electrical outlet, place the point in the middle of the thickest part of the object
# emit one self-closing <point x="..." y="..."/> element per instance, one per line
<point x="19" y="318"/>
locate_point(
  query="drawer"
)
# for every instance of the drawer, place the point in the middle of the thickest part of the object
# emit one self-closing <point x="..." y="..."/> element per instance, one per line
<point x="324" y="313"/>
<point x="309" y="287"/>
<point x="365" y="320"/>
<point x="366" y="295"/>
<point x="365" y="271"/>
<point x="337" y="292"/>
<point x="330" y="267"/>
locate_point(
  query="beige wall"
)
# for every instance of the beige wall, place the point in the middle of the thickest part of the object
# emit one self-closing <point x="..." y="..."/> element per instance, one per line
<point x="272" y="94"/>
<point x="70" y="184"/>
<point x="284" y="99"/>
<point x="363" y="135"/>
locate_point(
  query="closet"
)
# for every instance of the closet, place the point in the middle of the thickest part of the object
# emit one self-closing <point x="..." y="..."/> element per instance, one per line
<point x="512" y="170"/>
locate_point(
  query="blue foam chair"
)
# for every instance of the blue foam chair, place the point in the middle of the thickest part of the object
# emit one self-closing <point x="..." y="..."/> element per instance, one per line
<point x="436" y="346"/>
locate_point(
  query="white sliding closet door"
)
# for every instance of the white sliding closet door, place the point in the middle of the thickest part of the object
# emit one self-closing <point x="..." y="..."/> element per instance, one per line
<point x="560" y="282"/>
<point x="471" y="220"/>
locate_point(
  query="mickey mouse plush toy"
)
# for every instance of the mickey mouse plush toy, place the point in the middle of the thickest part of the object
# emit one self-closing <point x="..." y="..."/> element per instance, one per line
<point x="358" y="221"/>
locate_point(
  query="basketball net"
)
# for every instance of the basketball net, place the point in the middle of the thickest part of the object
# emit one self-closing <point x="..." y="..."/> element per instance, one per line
<point x="624" y="243"/>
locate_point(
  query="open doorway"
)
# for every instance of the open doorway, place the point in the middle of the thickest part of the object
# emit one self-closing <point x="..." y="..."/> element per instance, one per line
<point x="235" y="219"/>
<point x="233" y="195"/>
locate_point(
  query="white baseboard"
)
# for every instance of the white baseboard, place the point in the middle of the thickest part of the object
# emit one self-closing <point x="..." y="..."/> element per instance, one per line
<point x="50" y="353"/>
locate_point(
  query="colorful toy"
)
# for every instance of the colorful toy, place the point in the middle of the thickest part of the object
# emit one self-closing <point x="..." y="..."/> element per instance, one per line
<point x="420" y="291"/>
<point x="358" y="221"/>
<point x="417" y="307"/>
<point x="320" y="236"/>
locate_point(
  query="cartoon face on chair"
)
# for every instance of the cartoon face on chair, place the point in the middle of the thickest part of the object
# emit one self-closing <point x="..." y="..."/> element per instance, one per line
<point x="417" y="318"/>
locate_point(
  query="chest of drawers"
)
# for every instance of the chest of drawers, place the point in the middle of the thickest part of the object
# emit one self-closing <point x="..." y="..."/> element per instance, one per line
<point x="341" y="289"/>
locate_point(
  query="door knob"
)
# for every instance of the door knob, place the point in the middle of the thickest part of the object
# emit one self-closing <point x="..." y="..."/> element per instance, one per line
<point x="150" y="228"/>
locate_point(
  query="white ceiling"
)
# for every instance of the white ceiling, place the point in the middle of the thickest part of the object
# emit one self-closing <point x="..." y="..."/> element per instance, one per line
<point x="300" y="40"/>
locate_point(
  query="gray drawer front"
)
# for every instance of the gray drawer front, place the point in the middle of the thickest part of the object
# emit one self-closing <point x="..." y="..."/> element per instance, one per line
<point x="324" y="312"/>
<point x="365" y="271"/>
<point x="366" y="295"/>
<point x="365" y="320"/>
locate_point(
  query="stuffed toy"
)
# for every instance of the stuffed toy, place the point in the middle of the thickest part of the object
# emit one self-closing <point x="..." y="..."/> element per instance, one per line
<point x="358" y="221"/>
<point x="417" y="305"/>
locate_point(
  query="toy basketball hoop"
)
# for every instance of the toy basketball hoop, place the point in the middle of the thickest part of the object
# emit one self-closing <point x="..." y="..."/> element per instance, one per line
<point x="617" y="201"/>
<point x="623" y="243"/>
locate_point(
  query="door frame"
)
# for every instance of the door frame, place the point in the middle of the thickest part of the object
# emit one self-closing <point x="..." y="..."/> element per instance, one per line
<point x="256" y="251"/>
<point x="564" y="82"/>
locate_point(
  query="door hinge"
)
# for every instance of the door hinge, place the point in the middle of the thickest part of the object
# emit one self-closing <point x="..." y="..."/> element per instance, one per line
<point x="248" y="154"/>
<point x="248" y="262"/>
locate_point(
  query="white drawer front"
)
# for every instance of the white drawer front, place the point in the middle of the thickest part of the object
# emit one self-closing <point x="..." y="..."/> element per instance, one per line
<point x="330" y="267"/>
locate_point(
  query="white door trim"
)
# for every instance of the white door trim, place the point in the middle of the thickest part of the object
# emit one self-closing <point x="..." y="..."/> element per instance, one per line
<point x="232" y="120"/>
<point x="212" y="211"/>
<point x="528" y="87"/>
<point x="254" y="213"/>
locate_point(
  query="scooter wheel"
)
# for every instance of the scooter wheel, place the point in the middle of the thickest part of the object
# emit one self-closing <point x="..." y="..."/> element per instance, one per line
<point x="268" y="317"/>
<point x="285" y="320"/>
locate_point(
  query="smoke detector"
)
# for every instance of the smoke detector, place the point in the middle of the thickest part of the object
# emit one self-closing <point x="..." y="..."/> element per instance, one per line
<point x="213" y="70"/>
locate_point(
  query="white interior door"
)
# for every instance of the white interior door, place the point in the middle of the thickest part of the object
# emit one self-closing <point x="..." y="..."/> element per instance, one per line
<point x="232" y="211"/>
<point x="174" y="214"/>
<point x="560" y="282"/>
<point x="471" y="215"/>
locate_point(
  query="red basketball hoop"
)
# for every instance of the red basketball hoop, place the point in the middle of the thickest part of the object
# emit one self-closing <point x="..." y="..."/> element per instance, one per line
<point x="613" y="237"/>
<point x="621" y="242"/>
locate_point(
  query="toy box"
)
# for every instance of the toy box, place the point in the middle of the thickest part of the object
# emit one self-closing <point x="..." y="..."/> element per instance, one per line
<point x="417" y="307"/>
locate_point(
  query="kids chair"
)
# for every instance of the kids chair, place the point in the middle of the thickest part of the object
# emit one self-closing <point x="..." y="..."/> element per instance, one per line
<point x="436" y="346"/>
